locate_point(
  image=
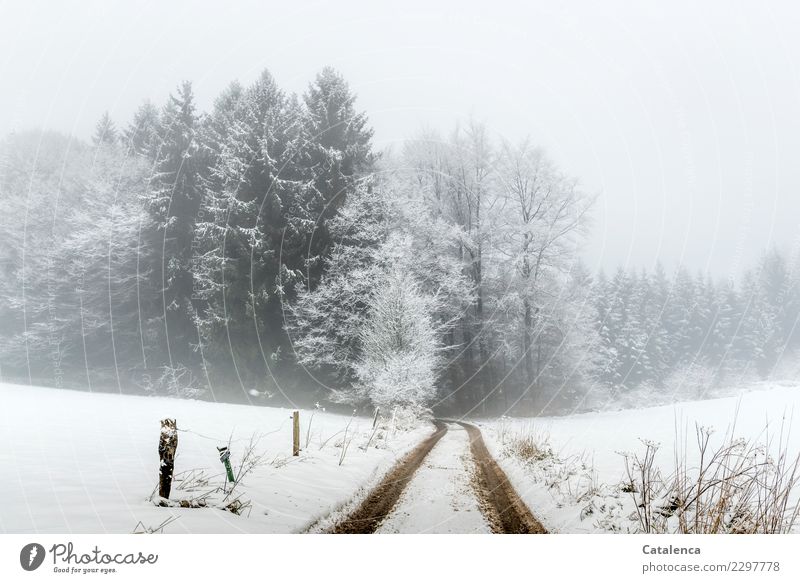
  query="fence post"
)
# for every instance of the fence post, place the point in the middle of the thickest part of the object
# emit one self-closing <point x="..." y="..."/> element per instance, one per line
<point x="225" y="458"/>
<point x="167" y="444"/>
<point x="296" y="433"/>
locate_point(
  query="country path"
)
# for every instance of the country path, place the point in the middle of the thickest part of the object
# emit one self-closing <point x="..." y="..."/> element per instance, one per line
<point x="448" y="484"/>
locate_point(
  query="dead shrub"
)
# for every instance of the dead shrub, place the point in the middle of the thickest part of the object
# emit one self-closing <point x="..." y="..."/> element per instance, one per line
<point x="528" y="444"/>
<point x="741" y="486"/>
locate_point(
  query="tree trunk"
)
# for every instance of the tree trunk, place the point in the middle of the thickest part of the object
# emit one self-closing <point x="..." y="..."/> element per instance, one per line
<point x="526" y="341"/>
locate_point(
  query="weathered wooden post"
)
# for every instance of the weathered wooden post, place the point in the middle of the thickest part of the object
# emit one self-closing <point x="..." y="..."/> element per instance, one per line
<point x="167" y="444"/>
<point x="296" y="433"/>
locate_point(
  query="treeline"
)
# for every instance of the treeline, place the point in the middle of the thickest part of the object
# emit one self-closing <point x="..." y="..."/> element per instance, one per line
<point x="690" y="333"/>
<point x="162" y="255"/>
<point x="264" y="251"/>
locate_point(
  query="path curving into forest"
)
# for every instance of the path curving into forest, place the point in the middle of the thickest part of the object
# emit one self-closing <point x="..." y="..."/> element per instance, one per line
<point x="460" y="488"/>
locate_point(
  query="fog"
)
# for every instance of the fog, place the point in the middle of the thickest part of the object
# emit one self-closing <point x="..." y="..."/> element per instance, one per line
<point x="684" y="117"/>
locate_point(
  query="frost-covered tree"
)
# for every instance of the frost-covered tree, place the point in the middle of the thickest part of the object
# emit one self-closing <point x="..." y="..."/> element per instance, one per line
<point x="455" y="177"/>
<point x="141" y="136"/>
<point x="173" y="201"/>
<point x="376" y="233"/>
<point x="335" y="146"/>
<point x="544" y="214"/>
<point x="521" y="220"/>
<point x="325" y="321"/>
<point x="658" y="338"/>
<point x="399" y="345"/>
<point x="238" y="235"/>
<point x="73" y="280"/>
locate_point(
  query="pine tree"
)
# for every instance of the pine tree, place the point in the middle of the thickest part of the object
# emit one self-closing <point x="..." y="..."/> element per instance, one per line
<point x="248" y="196"/>
<point x="336" y="148"/>
<point x="725" y="331"/>
<point x="619" y="330"/>
<point x="105" y="132"/>
<point x="679" y="319"/>
<point x="607" y="323"/>
<point x="142" y="135"/>
<point x="71" y="287"/>
<point x="173" y="201"/>
<point x="658" y="345"/>
<point x="757" y="328"/>
<point x="640" y="329"/>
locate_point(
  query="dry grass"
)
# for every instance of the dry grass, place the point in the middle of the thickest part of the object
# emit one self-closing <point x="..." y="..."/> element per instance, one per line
<point x="740" y="486"/>
<point x="571" y="480"/>
<point x="526" y="448"/>
<point x="528" y="444"/>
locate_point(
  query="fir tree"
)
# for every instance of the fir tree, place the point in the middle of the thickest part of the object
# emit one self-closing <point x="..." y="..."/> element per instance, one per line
<point x="173" y="201"/>
<point x="105" y="132"/>
<point x="142" y="135"/>
<point x="336" y="148"/>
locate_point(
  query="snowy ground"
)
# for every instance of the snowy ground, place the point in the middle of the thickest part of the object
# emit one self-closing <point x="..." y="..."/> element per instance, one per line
<point x="575" y="490"/>
<point x="87" y="462"/>
<point x="440" y="497"/>
<point x="83" y="463"/>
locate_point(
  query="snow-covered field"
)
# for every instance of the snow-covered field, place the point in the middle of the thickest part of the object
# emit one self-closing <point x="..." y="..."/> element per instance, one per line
<point x="577" y="492"/>
<point x="79" y="462"/>
<point x="87" y="462"/>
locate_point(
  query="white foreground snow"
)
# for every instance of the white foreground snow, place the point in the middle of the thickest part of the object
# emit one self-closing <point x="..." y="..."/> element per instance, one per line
<point x="75" y="462"/>
<point x="440" y="498"/>
<point x="591" y="444"/>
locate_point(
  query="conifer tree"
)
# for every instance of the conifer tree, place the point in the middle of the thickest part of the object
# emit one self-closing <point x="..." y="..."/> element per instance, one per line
<point x="336" y="148"/>
<point x="142" y="135"/>
<point x="105" y="132"/>
<point x="173" y="201"/>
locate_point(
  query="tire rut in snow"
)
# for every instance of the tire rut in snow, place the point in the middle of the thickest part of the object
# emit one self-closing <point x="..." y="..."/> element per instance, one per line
<point x="507" y="513"/>
<point x="369" y="514"/>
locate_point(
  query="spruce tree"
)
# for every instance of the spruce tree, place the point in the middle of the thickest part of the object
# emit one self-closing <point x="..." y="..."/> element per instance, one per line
<point x="105" y="132"/>
<point x="336" y="148"/>
<point x="173" y="201"/>
<point x="142" y="135"/>
<point x="246" y="199"/>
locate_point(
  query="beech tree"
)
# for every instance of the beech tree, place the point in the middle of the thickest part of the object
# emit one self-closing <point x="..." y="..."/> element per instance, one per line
<point x="545" y="215"/>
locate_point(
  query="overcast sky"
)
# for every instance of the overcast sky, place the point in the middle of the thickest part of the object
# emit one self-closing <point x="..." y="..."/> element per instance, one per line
<point x="683" y="116"/>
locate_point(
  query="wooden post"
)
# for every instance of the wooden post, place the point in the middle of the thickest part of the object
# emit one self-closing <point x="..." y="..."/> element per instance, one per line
<point x="296" y="433"/>
<point x="167" y="444"/>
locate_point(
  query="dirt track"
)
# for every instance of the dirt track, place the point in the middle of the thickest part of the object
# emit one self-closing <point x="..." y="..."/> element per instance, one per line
<point x="506" y="511"/>
<point x="366" y="518"/>
<point x="500" y="504"/>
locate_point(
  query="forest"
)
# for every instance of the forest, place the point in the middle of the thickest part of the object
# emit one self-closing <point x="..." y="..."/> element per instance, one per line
<point x="266" y="252"/>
